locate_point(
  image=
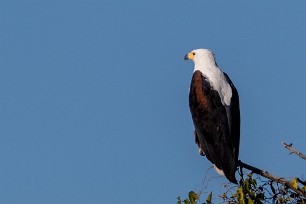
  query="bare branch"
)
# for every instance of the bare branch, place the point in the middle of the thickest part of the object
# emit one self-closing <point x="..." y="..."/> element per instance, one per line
<point x="290" y="148"/>
<point x="267" y="175"/>
<point x="301" y="182"/>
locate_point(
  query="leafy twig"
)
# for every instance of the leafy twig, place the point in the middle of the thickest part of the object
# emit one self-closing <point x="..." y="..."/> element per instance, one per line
<point x="267" y="175"/>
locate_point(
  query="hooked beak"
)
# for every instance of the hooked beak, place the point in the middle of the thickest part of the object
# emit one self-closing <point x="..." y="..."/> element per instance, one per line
<point x="186" y="57"/>
<point x="189" y="56"/>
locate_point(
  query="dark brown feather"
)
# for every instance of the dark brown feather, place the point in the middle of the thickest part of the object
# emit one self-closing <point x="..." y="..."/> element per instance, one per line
<point x="217" y="126"/>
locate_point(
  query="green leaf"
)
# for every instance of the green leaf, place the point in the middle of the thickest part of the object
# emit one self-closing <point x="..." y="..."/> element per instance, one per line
<point x="254" y="182"/>
<point x="283" y="200"/>
<point x="252" y="193"/>
<point x="209" y="197"/>
<point x="260" y="196"/>
<point x="247" y="185"/>
<point x="186" y="201"/>
<point x="179" y="200"/>
<point x="250" y="201"/>
<point x="294" y="183"/>
<point x="193" y="197"/>
<point x="240" y="195"/>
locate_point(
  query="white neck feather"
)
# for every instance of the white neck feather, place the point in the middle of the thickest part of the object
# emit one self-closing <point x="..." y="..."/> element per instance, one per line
<point x="207" y="65"/>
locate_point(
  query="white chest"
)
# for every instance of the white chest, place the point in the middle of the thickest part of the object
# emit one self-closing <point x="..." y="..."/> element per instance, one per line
<point x="218" y="82"/>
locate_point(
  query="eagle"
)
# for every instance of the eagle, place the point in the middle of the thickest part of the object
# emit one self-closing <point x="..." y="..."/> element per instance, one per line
<point x="214" y="106"/>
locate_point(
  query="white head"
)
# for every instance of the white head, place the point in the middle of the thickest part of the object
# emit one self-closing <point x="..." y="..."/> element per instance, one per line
<point x="204" y="61"/>
<point x="202" y="58"/>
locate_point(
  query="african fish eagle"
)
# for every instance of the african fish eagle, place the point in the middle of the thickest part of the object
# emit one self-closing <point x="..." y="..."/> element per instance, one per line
<point x="214" y="106"/>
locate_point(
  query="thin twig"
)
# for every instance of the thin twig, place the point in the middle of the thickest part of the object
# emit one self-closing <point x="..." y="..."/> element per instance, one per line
<point x="273" y="178"/>
<point x="291" y="149"/>
<point x="301" y="182"/>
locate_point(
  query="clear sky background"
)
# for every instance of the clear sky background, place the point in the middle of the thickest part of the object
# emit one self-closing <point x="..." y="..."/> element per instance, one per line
<point x="94" y="95"/>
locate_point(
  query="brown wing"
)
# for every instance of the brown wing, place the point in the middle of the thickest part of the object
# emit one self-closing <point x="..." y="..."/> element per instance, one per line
<point x="233" y="112"/>
<point x="211" y="123"/>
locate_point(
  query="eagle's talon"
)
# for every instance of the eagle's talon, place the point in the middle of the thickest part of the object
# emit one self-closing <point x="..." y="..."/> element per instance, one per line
<point x="201" y="152"/>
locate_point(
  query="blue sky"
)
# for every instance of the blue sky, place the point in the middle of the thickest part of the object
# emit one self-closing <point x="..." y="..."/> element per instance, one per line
<point x="94" y="95"/>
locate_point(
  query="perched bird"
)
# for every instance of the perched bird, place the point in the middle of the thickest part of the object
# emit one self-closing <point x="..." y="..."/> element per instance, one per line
<point x="214" y="106"/>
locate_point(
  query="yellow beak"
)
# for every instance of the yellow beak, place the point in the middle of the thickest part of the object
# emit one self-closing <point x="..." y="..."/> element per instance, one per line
<point x="189" y="56"/>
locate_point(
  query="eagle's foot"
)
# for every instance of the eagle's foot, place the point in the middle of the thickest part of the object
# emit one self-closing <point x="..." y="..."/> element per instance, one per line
<point x="201" y="152"/>
<point x="197" y="141"/>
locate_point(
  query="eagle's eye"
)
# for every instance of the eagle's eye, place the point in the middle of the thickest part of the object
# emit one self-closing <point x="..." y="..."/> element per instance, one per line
<point x="193" y="54"/>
